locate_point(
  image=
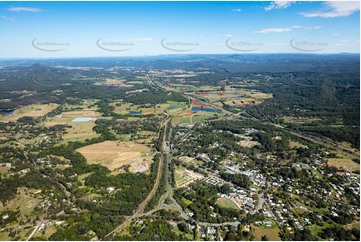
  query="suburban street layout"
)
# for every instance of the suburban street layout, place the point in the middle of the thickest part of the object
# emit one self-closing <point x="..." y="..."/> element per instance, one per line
<point x="172" y="121"/>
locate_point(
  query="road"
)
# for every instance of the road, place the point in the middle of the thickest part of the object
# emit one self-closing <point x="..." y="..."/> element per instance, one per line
<point x="169" y="187"/>
<point x="261" y="201"/>
<point x="169" y="193"/>
<point x="140" y="211"/>
<point x="159" y="174"/>
<point x="35" y="229"/>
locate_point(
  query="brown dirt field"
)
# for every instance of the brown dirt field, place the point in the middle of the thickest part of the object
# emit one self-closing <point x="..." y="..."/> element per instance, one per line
<point x="248" y="143"/>
<point x="30" y="110"/>
<point x="141" y="165"/>
<point x="346" y="163"/>
<point x="81" y="113"/>
<point x="114" y="154"/>
<point x="3" y="170"/>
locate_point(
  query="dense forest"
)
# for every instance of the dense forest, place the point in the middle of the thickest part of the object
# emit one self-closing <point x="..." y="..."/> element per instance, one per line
<point x="329" y="104"/>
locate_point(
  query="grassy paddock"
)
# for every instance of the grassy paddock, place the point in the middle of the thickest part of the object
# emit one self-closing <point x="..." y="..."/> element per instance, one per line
<point x="226" y="203"/>
<point x="35" y="110"/>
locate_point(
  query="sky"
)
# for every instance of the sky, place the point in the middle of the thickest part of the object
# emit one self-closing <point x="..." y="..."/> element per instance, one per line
<point x="96" y="29"/>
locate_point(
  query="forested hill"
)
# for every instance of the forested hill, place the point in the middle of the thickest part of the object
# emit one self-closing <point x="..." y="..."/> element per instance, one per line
<point x="329" y="63"/>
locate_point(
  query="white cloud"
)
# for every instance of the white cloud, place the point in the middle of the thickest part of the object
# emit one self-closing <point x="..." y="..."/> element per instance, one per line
<point x="314" y="27"/>
<point x="273" y="30"/>
<point x="335" y="9"/>
<point x="296" y="27"/>
<point x="236" y="10"/>
<point x="335" y="34"/>
<point x="228" y="35"/>
<point x="24" y="9"/>
<point x="279" y="5"/>
<point x="7" y="18"/>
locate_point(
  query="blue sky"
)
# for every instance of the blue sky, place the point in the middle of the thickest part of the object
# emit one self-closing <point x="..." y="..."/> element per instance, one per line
<point x="88" y="29"/>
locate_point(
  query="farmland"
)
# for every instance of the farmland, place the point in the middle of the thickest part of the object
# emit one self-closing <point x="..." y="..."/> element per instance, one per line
<point x="158" y="109"/>
<point x="36" y="110"/>
<point x="114" y="155"/>
<point x="78" y="129"/>
<point x="227" y="95"/>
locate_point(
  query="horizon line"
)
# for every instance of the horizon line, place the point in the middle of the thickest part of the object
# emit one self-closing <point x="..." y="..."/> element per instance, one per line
<point x="167" y="55"/>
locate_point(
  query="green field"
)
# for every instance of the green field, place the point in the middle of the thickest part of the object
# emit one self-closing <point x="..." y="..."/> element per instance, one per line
<point x="226" y="203"/>
<point x="186" y="201"/>
<point x="82" y="177"/>
<point x="180" y="120"/>
<point x="199" y="118"/>
<point x="4" y="236"/>
<point x="24" y="202"/>
<point x="271" y="233"/>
